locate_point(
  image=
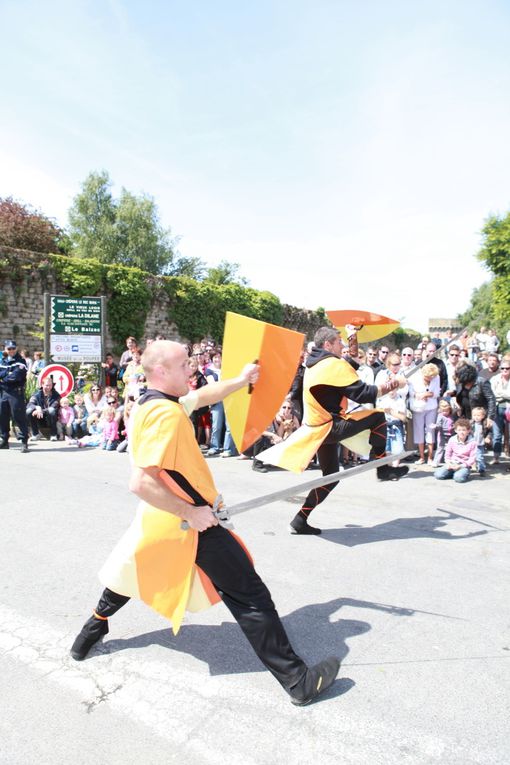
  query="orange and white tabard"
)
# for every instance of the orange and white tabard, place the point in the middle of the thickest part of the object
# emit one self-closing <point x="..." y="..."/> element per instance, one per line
<point x="155" y="559"/>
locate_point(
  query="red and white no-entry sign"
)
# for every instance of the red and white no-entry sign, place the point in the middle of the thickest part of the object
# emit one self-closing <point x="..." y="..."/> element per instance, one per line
<point x="63" y="380"/>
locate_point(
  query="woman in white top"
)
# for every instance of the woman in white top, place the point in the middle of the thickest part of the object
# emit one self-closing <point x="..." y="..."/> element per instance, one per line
<point x="423" y="403"/>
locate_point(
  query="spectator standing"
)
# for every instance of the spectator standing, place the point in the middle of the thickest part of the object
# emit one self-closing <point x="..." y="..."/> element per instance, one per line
<point x="372" y="360"/>
<point x="444" y="429"/>
<point x="407" y="359"/>
<point x="13" y="377"/>
<point x="451" y="370"/>
<point x="43" y="409"/>
<point x="500" y="385"/>
<point x="492" y="367"/>
<point x="473" y="391"/>
<point x="480" y="432"/>
<point x="213" y="374"/>
<point x="111" y="371"/>
<point x="38" y="364"/>
<point x="432" y="357"/>
<point x="423" y="402"/>
<point x="196" y="381"/>
<point x="126" y="357"/>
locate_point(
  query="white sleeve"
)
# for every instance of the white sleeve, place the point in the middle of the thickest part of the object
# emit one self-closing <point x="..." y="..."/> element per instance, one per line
<point x="189" y="401"/>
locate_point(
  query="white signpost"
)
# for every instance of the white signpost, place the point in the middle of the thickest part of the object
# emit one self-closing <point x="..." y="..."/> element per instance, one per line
<point x="75" y="347"/>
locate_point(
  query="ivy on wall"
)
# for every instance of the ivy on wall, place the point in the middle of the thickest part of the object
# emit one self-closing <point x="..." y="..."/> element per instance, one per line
<point x="196" y="308"/>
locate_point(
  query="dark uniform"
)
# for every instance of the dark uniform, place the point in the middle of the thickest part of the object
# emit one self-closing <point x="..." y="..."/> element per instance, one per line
<point x="13" y="377"/>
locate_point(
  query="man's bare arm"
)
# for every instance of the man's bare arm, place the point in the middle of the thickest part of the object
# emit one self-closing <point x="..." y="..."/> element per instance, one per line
<point x="147" y="484"/>
<point x="217" y="391"/>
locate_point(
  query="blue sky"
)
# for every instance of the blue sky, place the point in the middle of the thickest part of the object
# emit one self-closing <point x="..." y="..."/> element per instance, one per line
<point x="345" y="154"/>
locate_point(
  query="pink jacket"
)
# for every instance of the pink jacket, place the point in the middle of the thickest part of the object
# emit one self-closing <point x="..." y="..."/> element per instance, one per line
<point x="462" y="453"/>
<point x="110" y="431"/>
<point x="66" y="415"/>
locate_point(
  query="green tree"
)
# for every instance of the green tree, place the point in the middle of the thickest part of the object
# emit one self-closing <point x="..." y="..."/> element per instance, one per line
<point x="225" y="273"/>
<point x="495" y="254"/>
<point x="125" y="231"/>
<point x="92" y="219"/>
<point x="24" y="228"/>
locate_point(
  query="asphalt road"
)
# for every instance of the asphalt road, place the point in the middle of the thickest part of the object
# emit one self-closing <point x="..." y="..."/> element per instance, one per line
<point x="408" y="585"/>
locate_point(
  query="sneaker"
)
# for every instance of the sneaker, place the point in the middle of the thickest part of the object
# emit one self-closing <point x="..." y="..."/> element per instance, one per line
<point x="91" y="632"/>
<point x="24" y="448"/>
<point x="4" y="444"/>
<point x="54" y="438"/>
<point x="259" y="466"/>
<point x="226" y="454"/>
<point x="316" y="680"/>
<point x="299" y="525"/>
<point x="36" y="437"/>
<point x="212" y="453"/>
<point x="387" y="473"/>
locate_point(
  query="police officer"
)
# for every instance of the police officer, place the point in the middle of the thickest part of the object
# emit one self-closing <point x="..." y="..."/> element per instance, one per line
<point x="13" y="376"/>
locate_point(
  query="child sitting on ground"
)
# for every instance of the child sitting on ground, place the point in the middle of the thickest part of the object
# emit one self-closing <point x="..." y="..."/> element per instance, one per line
<point x="65" y="419"/>
<point x="460" y="454"/>
<point x="110" y="433"/>
<point x="481" y="436"/>
<point x="444" y="429"/>
<point x="79" y="426"/>
<point x="95" y="428"/>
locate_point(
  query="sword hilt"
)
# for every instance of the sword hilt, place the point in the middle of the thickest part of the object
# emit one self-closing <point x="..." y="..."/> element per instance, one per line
<point x="219" y="510"/>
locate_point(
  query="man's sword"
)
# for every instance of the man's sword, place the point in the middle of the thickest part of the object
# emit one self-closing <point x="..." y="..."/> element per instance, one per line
<point x="223" y="514"/>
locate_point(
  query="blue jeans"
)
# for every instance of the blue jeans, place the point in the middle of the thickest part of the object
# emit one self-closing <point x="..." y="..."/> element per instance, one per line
<point x="217" y="426"/>
<point x="480" y="458"/>
<point x="460" y="476"/>
<point x="498" y="429"/>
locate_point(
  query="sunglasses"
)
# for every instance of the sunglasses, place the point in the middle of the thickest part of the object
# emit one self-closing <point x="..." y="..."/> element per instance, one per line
<point x="505" y="369"/>
<point x="407" y="354"/>
<point x="455" y="355"/>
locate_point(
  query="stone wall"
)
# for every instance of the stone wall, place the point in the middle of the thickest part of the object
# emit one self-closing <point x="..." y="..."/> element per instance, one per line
<point x="26" y="276"/>
<point x="22" y="302"/>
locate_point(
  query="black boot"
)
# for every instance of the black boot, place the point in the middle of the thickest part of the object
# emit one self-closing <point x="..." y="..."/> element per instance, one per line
<point x="259" y="466"/>
<point x="4" y="444"/>
<point x="300" y="525"/>
<point x="315" y="681"/>
<point x="388" y="473"/>
<point x="92" y="631"/>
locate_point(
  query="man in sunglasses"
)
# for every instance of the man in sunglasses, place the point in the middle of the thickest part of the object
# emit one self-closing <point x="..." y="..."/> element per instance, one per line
<point x="451" y="370"/>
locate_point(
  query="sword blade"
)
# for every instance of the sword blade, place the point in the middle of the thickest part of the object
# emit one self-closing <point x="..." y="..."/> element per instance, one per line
<point x="323" y="480"/>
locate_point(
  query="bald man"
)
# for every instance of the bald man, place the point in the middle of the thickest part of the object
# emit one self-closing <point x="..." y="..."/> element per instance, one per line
<point x="173" y="569"/>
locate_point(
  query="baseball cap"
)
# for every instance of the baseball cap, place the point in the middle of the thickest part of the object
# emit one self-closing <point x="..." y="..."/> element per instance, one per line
<point x="10" y="344"/>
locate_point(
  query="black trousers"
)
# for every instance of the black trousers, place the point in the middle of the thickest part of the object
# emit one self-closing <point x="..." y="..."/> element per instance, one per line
<point x="48" y="420"/>
<point x="246" y="596"/>
<point x="328" y="454"/>
<point x="12" y="406"/>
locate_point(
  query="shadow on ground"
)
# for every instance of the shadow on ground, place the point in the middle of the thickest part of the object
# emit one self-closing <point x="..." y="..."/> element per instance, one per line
<point x="311" y="631"/>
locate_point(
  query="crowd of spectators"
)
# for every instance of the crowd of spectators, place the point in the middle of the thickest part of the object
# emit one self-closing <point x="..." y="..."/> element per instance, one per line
<point x="466" y="382"/>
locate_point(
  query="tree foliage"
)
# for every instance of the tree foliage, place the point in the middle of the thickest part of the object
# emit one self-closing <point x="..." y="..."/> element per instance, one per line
<point x="24" y="228"/>
<point x="126" y="231"/>
<point x="225" y="273"/>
